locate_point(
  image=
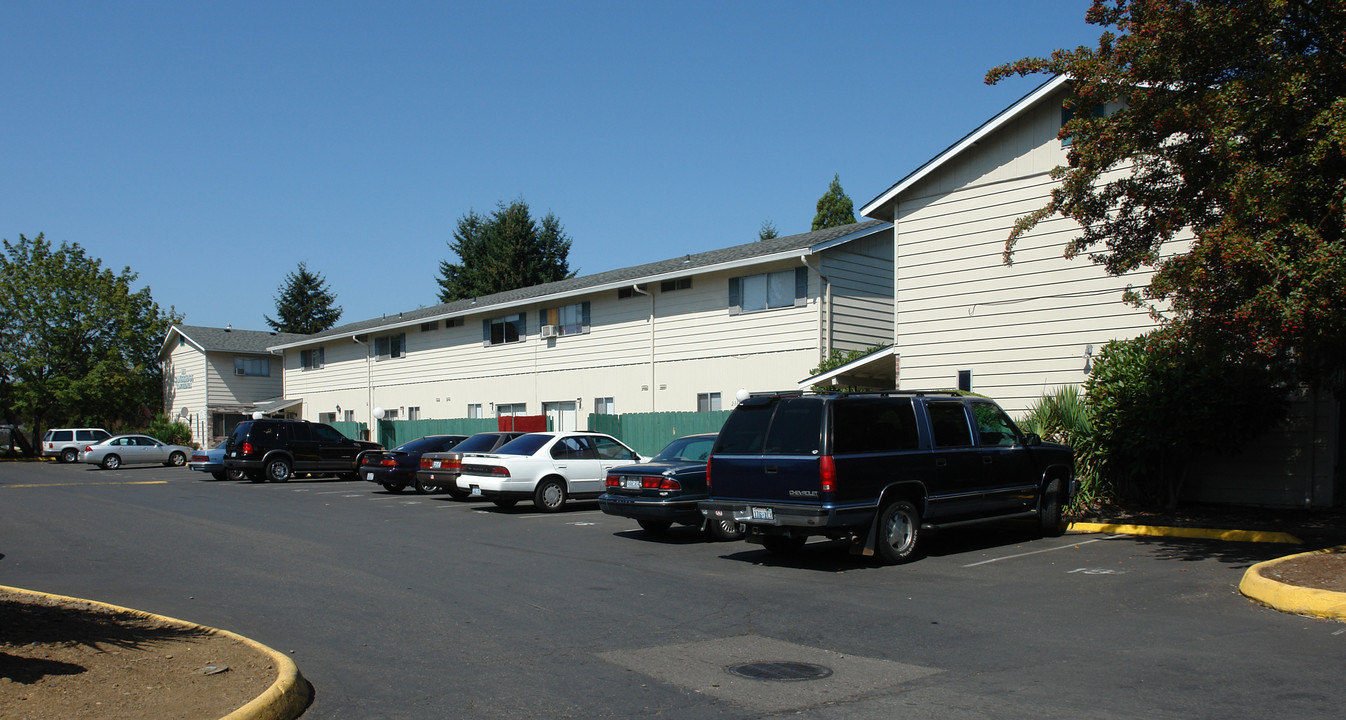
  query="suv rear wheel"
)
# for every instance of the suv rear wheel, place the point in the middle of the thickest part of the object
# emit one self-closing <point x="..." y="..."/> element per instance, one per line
<point x="68" y="455"/>
<point x="278" y="470"/>
<point x="899" y="532"/>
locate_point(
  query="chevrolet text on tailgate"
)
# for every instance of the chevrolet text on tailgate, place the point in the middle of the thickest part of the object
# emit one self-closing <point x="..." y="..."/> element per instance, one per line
<point x="877" y="468"/>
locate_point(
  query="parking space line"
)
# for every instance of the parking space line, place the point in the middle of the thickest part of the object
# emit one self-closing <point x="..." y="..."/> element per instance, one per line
<point x="83" y="484"/>
<point x="1047" y="550"/>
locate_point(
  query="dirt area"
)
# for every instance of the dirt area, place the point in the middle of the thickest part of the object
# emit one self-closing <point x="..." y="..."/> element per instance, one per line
<point x="1322" y="571"/>
<point x="63" y="659"/>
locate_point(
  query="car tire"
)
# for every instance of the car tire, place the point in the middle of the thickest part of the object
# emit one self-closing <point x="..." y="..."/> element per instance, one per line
<point x="278" y="470"/>
<point x="654" y="527"/>
<point x="176" y="459"/>
<point x="899" y="532"/>
<point x="1050" y="510"/>
<point x="111" y="462"/>
<point x="783" y="544"/>
<point x="220" y="475"/>
<point x="724" y="530"/>
<point x="550" y="495"/>
<point x="67" y="456"/>
<point x="235" y="475"/>
<point x="426" y="489"/>
<point x="505" y="503"/>
<point x="394" y="488"/>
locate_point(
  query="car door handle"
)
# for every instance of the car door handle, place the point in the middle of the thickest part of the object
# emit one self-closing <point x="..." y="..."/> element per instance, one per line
<point x="770" y="469"/>
<point x="987" y="459"/>
<point x="941" y="463"/>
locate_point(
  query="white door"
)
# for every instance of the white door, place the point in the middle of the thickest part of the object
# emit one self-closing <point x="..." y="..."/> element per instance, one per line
<point x="561" y="414"/>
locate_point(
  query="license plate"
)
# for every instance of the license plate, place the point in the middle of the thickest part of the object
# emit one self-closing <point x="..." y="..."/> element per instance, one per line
<point x="476" y="490"/>
<point x="435" y="464"/>
<point x="369" y="476"/>
<point x="763" y="514"/>
<point x="631" y="483"/>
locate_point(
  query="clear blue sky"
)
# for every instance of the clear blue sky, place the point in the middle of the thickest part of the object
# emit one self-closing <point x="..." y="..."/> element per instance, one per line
<point x="212" y="146"/>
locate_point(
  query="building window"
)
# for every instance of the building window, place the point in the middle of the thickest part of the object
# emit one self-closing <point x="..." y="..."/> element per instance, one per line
<point x="430" y="326"/>
<point x="707" y="402"/>
<point x="414" y="413"/>
<point x="507" y="409"/>
<point x="567" y="319"/>
<point x="474" y="411"/>
<point x="628" y="292"/>
<point x="768" y="291"/>
<point x="311" y="359"/>
<point x="391" y="346"/>
<point x="327" y="417"/>
<point x="255" y="367"/>
<point x="390" y="414"/>
<point x="675" y="284"/>
<point x="965" y="380"/>
<point x="509" y="329"/>
<point x="604" y="406"/>
<point x="349" y="415"/>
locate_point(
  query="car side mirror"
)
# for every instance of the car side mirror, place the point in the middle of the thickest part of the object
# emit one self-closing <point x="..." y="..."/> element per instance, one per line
<point x="1033" y="440"/>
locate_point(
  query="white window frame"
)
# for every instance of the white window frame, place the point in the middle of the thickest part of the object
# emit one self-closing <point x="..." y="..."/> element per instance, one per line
<point x="312" y="359"/>
<point x="251" y="364"/>
<point x="708" y="402"/>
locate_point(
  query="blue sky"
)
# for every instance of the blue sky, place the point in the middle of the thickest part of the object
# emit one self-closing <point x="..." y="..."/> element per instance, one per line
<point x="212" y="146"/>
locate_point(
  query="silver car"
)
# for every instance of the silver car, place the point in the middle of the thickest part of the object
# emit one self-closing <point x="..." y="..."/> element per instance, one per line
<point x="120" y="450"/>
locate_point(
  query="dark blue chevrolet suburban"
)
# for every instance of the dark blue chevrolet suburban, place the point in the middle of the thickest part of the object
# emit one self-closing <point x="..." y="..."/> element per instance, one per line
<point x="876" y="468"/>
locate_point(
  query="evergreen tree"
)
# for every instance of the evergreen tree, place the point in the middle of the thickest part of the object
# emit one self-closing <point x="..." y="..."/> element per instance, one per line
<point x="505" y="251"/>
<point x="77" y="345"/>
<point x="304" y="305"/>
<point x="767" y="231"/>
<point x="834" y="207"/>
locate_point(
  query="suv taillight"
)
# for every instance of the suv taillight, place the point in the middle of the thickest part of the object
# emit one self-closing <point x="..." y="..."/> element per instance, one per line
<point x="247" y="449"/>
<point x="708" y="473"/>
<point x="827" y="473"/>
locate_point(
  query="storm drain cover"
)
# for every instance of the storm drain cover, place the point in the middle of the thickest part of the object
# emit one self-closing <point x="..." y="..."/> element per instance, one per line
<point x="788" y="671"/>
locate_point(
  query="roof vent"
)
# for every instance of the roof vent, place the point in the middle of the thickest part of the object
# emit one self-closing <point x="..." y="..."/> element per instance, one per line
<point x="229" y="327"/>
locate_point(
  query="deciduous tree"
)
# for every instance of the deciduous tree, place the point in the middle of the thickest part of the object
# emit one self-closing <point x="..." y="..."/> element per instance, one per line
<point x="505" y="251"/>
<point x="305" y="304"/>
<point x="1231" y="126"/>
<point x="80" y="347"/>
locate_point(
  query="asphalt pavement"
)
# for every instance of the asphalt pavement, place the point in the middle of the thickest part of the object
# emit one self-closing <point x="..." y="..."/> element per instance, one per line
<point x="405" y="606"/>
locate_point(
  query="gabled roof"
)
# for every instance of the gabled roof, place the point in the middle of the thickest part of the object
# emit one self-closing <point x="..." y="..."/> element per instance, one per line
<point x="877" y="371"/>
<point x="754" y="253"/>
<point x="883" y="207"/>
<point x="247" y="342"/>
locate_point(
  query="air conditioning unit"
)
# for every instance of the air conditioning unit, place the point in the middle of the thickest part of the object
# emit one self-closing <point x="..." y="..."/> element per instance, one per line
<point x="550" y="331"/>
<point x="240" y="371"/>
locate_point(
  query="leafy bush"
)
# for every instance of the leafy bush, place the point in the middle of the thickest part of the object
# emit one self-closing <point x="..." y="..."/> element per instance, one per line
<point x="173" y="432"/>
<point x="836" y="359"/>
<point x="1063" y="416"/>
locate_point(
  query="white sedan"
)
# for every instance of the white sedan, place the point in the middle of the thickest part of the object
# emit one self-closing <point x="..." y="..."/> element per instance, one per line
<point x="548" y="468"/>
<point x="120" y="450"/>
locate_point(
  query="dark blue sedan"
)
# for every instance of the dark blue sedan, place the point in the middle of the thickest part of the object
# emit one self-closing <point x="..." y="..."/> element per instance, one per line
<point x="396" y="469"/>
<point x="666" y="489"/>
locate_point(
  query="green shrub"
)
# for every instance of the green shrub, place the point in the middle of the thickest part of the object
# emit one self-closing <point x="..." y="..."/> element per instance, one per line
<point x="1062" y="416"/>
<point x="173" y="432"/>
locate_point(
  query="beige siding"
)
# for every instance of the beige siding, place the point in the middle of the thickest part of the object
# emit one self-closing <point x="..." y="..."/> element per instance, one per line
<point x="185" y="387"/>
<point x="1022" y="329"/>
<point x="226" y="388"/>
<point x="860" y="274"/>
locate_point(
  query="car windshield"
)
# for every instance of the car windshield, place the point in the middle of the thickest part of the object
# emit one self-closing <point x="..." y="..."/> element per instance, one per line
<point x="524" y="445"/>
<point x="688" y="449"/>
<point x="430" y="443"/>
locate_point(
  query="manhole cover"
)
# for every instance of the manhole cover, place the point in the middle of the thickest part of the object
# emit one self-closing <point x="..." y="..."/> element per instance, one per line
<point x="791" y="671"/>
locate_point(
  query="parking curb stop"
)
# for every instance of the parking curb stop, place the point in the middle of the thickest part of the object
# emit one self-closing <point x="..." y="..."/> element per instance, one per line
<point x="1262" y="536"/>
<point x="287" y="698"/>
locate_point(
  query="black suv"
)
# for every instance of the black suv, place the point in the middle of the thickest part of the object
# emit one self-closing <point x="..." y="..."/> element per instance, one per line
<point x="272" y="450"/>
<point x="875" y="468"/>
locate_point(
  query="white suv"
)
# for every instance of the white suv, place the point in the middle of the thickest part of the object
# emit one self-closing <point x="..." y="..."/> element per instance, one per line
<point x="548" y="468"/>
<point x="64" y="444"/>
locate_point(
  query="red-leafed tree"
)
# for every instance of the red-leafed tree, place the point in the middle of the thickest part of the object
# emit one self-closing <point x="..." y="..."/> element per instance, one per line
<point x="1232" y="121"/>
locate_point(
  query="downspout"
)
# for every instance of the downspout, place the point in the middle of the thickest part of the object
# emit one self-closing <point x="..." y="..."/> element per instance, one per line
<point x="824" y="310"/>
<point x="369" y="387"/>
<point x="636" y="288"/>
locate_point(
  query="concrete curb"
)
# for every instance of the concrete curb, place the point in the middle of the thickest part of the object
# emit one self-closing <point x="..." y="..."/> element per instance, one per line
<point x="1186" y="532"/>
<point x="1291" y="598"/>
<point x="286" y="699"/>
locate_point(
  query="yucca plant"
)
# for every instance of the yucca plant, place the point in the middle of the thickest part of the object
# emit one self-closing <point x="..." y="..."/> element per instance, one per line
<point x="1062" y="416"/>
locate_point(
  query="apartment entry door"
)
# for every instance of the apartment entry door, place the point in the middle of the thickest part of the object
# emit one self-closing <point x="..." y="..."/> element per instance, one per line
<point x="561" y="415"/>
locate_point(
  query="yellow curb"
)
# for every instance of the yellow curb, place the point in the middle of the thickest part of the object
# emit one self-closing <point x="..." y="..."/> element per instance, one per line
<point x="286" y="699"/>
<point x="1291" y="598"/>
<point x="1185" y="532"/>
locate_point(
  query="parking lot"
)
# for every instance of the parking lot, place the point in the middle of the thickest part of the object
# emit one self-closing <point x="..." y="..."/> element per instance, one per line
<point x="406" y="606"/>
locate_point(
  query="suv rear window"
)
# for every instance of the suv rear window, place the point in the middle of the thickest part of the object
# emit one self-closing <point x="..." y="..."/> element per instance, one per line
<point x="788" y="426"/>
<point x="61" y="436"/>
<point x="865" y="425"/>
